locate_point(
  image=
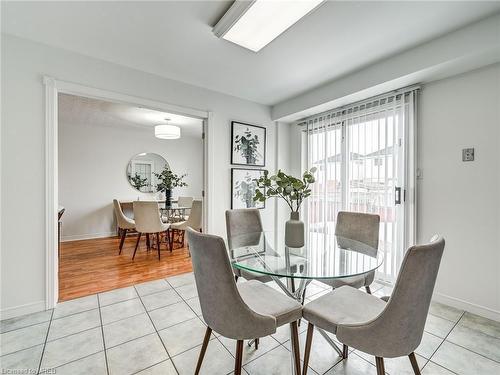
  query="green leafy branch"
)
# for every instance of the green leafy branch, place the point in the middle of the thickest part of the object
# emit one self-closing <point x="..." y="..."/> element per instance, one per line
<point x="169" y="180"/>
<point x="138" y="182"/>
<point x="291" y="189"/>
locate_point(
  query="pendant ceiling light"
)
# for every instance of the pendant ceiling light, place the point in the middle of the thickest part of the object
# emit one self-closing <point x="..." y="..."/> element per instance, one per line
<point x="167" y="131"/>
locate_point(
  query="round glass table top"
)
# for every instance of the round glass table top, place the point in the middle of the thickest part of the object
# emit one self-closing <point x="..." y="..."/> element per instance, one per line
<point x="322" y="257"/>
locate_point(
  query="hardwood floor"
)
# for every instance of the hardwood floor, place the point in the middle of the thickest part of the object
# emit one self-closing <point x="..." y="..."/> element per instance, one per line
<point x="91" y="266"/>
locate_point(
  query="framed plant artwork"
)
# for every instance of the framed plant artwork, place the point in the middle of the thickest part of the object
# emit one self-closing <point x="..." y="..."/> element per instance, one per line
<point x="248" y="144"/>
<point x="243" y="187"/>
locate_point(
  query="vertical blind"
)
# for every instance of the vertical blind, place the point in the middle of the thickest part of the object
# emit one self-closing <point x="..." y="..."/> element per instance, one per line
<point x="360" y="154"/>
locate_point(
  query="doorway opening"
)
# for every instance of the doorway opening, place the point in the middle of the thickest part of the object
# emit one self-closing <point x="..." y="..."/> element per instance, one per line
<point x="102" y="146"/>
<point x="109" y="151"/>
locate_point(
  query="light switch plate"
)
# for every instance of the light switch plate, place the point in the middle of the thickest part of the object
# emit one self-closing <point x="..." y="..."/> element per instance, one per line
<point x="468" y="154"/>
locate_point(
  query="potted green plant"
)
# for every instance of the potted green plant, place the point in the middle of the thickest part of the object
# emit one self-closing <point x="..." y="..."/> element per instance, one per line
<point x="138" y="182"/>
<point x="293" y="191"/>
<point x="169" y="180"/>
<point x="246" y="145"/>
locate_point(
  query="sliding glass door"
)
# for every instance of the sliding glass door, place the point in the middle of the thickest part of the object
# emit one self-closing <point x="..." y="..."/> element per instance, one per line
<point x="360" y="154"/>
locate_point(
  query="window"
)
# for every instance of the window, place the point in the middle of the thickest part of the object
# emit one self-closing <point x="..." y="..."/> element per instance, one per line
<point x="361" y="155"/>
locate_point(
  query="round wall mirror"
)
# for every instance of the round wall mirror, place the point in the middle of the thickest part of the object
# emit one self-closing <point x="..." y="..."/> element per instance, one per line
<point x="141" y="171"/>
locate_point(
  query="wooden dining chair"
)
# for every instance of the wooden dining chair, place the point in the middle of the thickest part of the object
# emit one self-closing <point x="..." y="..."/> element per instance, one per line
<point x="124" y="223"/>
<point x="148" y="221"/>
<point x="372" y="325"/>
<point x="194" y="221"/>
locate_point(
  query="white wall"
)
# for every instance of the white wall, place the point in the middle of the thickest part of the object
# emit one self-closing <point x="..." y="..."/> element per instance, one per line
<point x="92" y="163"/>
<point x="461" y="200"/>
<point x="23" y="149"/>
<point x="471" y="47"/>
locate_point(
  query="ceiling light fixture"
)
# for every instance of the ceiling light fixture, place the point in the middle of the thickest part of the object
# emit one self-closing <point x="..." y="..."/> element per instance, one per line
<point x="166" y="131"/>
<point x="255" y="24"/>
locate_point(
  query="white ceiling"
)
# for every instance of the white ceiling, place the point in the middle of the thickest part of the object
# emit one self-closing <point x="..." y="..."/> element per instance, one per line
<point x="174" y="39"/>
<point x="77" y="110"/>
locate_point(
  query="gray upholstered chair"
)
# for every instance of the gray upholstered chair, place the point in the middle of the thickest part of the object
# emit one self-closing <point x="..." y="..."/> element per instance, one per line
<point x="383" y="329"/>
<point x="244" y="225"/>
<point x="124" y="223"/>
<point x="240" y="312"/>
<point x="194" y="221"/>
<point x="362" y="229"/>
<point x="148" y="221"/>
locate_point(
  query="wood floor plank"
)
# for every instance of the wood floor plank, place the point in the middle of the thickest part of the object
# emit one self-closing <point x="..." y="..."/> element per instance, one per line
<point x="92" y="266"/>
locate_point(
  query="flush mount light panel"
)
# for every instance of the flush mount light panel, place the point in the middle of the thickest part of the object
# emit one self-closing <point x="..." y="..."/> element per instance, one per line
<point x="254" y="24"/>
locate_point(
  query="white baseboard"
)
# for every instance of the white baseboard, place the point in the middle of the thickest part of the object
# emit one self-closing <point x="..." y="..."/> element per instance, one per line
<point x="473" y="308"/>
<point x="88" y="236"/>
<point x="460" y="304"/>
<point x="29" y="308"/>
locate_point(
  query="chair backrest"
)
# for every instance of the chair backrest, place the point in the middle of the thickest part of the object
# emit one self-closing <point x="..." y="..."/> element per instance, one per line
<point x="360" y="227"/>
<point x="398" y="329"/>
<point x="222" y="307"/>
<point x="243" y="227"/>
<point x="194" y="219"/>
<point x="147" y="217"/>
<point x="242" y="221"/>
<point x="185" y="201"/>
<point x="121" y="219"/>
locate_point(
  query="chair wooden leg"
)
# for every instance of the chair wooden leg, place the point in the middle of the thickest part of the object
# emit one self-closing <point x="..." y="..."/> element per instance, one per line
<point x="368" y="290"/>
<point x="148" y="243"/>
<point x="307" y="352"/>
<point x="136" y="244"/>
<point x="167" y="238"/>
<point x="124" y="234"/>
<point x="295" y="346"/>
<point x="414" y="363"/>
<point x="171" y="239"/>
<point x="256" y="344"/>
<point x="236" y="278"/>
<point x="345" y="351"/>
<point x="208" y="332"/>
<point x="380" y="365"/>
<point x="182" y="241"/>
<point x="239" y="357"/>
<point x="158" y="244"/>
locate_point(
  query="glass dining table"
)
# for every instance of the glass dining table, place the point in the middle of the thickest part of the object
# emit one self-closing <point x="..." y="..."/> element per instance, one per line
<point x="173" y="213"/>
<point x="323" y="257"/>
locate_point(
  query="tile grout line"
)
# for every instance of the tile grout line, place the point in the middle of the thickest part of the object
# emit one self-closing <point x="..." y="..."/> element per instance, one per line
<point x="110" y="304"/>
<point x="102" y="333"/>
<point x="437" y="364"/>
<point x="78" y="359"/>
<point x="435" y="351"/>
<point x="185" y="301"/>
<point x="153" y="365"/>
<point x="27" y="326"/>
<point x="194" y="312"/>
<point x="472" y="351"/>
<point x="157" y="333"/>
<point x="45" y="343"/>
<point x="309" y="366"/>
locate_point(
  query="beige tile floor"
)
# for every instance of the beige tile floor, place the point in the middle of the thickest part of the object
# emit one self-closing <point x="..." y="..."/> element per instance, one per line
<point x="157" y="328"/>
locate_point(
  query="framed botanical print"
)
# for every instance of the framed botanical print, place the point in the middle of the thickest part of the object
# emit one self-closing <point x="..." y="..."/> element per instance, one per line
<point x="243" y="188"/>
<point x="248" y="144"/>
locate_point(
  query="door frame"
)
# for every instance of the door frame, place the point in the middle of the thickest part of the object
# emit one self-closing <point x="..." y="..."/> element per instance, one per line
<point x="53" y="87"/>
